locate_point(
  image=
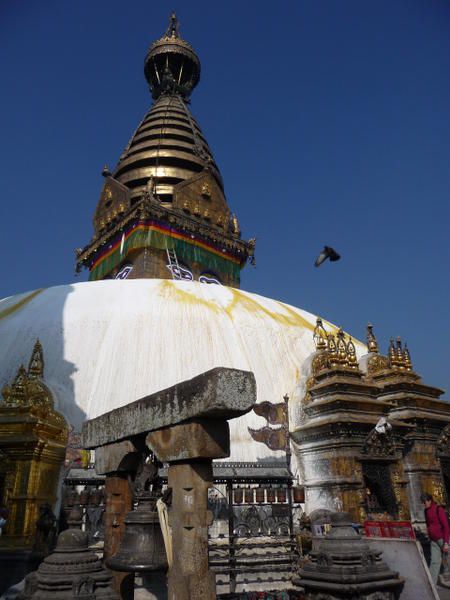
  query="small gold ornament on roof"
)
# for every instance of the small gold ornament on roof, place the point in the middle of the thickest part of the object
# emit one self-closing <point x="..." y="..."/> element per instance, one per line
<point x="407" y="358"/>
<point x="351" y="354"/>
<point x="400" y="360"/>
<point x="392" y="354"/>
<point x="320" y="335"/>
<point x="341" y="347"/>
<point x="332" y="350"/>
<point x="235" y="225"/>
<point x="36" y="364"/>
<point x="372" y="344"/>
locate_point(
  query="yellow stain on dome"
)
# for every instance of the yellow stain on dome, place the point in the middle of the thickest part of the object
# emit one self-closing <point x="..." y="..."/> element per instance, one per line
<point x="168" y="289"/>
<point x="288" y="317"/>
<point x="6" y="312"/>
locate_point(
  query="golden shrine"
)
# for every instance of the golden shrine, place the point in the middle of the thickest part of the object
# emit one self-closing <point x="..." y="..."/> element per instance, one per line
<point x="33" y="437"/>
<point x="372" y="435"/>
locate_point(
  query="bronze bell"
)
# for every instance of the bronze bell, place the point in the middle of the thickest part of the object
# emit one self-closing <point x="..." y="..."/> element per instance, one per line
<point x="142" y="546"/>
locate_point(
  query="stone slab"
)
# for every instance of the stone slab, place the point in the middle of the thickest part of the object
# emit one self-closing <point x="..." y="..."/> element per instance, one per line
<point x="108" y="458"/>
<point x="406" y="557"/>
<point x="199" y="438"/>
<point x="220" y="393"/>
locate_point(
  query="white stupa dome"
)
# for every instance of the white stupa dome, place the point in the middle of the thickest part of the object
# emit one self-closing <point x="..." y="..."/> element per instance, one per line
<point x="108" y="343"/>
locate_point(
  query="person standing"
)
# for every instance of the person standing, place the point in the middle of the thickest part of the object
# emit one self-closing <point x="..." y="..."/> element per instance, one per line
<point x="438" y="532"/>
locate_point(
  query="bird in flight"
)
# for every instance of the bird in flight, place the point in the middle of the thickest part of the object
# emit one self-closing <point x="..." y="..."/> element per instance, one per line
<point x="327" y="252"/>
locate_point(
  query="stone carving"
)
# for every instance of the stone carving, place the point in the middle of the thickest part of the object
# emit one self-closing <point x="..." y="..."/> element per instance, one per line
<point x="73" y="571"/>
<point x="379" y="445"/>
<point x="345" y="566"/>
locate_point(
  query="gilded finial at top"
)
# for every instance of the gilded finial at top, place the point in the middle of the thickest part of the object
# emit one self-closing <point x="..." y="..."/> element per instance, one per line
<point x="341" y="347"/>
<point x="351" y="354"/>
<point x="407" y="358"/>
<point x="372" y="344"/>
<point x="172" y="30"/>
<point x="171" y="66"/>
<point x="36" y="364"/>
<point x="320" y="335"/>
<point x="395" y="354"/>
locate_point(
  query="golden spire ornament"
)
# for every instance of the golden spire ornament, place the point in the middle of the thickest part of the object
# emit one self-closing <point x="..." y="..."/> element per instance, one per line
<point x="399" y="352"/>
<point x="372" y="344"/>
<point x="320" y="335"/>
<point x="407" y="358"/>
<point x="341" y="347"/>
<point x="36" y="364"/>
<point x="351" y="354"/>
<point x="332" y="350"/>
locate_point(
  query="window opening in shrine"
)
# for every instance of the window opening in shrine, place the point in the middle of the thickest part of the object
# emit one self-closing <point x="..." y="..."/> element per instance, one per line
<point x="379" y="494"/>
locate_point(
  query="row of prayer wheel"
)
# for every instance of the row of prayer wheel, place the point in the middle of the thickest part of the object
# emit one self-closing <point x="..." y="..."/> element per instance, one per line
<point x="261" y="495"/>
<point x="87" y="496"/>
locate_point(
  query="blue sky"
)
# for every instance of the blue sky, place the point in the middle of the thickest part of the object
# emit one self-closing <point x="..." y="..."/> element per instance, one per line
<point x="329" y="120"/>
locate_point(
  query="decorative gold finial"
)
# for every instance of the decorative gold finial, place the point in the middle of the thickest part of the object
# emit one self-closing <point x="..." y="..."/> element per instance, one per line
<point x="372" y="344"/>
<point x="320" y="335"/>
<point x="15" y="394"/>
<point x="399" y="352"/>
<point x="341" y="347"/>
<point x="36" y="364"/>
<point x="392" y="353"/>
<point x="332" y="350"/>
<point x="235" y="225"/>
<point x="172" y="30"/>
<point x="407" y="358"/>
<point x="351" y="354"/>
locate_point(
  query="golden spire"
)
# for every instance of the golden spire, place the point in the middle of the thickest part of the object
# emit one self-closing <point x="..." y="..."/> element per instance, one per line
<point x="341" y="347"/>
<point x="399" y="352"/>
<point x="396" y="355"/>
<point x="15" y="395"/>
<point x="351" y="354"/>
<point x="172" y="30"/>
<point x="407" y="358"/>
<point x="36" y="364"/>
<point x="392" y="353"/>
<point x="332" y="350"/>
<point x="320" y="335"/>
<point x="372" y="344"/>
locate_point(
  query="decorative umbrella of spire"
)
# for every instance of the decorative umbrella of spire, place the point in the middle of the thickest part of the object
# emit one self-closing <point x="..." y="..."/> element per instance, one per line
<point x="171" y="65"/>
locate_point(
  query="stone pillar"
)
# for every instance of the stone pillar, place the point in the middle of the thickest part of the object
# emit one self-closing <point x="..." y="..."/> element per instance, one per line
<point x="189" y="449"/>
<point x="119" y="502"/>
<point x="187" y="427"/>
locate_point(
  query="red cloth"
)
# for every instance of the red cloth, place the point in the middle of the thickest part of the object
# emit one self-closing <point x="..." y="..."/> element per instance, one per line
<point x="437" y="523"/>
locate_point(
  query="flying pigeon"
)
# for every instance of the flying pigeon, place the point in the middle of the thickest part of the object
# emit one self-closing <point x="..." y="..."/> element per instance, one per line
<point x="327" y="252"/>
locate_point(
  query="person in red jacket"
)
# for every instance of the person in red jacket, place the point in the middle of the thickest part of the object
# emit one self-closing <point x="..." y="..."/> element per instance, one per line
<point x="438" y="532"/>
